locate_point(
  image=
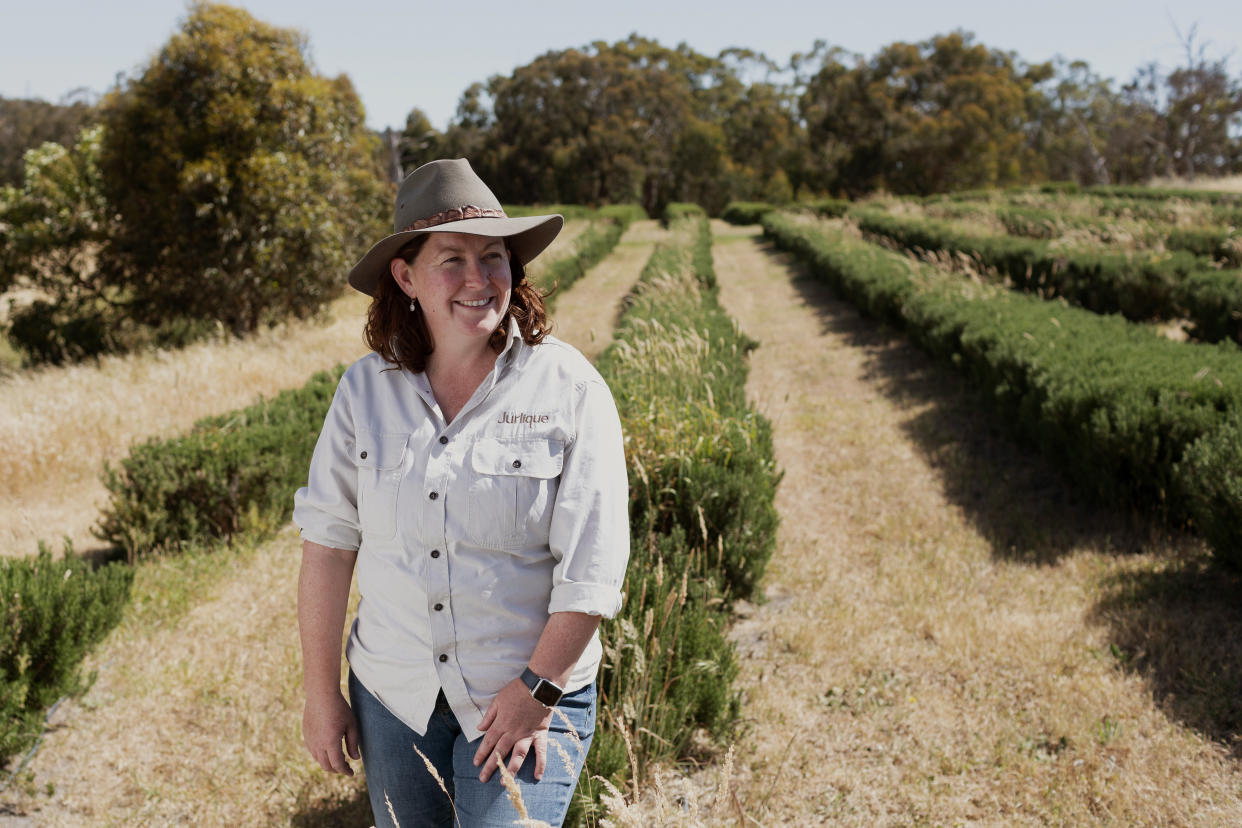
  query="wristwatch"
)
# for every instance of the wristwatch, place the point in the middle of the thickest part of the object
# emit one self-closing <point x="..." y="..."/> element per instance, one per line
<point x="543" y="691"/>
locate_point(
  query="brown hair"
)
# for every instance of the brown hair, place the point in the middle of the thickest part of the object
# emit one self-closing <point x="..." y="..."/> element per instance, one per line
<point x="401" y="336"/>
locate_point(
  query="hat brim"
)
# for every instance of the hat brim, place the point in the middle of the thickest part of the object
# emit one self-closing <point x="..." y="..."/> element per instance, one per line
<point x="527" y="237"/>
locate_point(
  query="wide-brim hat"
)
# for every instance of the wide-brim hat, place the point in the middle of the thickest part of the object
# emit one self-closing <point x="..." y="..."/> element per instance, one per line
<point x="447" y="196"/>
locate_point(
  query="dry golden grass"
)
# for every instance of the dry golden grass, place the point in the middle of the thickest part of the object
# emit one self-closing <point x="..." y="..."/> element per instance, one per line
<point x="59" y="425"/>
<point x="1229" y="183"/>
<point x="950" y="637"/>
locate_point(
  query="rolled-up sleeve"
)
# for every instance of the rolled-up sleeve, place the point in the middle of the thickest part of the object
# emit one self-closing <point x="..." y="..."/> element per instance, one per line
<point x="590" y="529"/>
<point x="326" y="509"/>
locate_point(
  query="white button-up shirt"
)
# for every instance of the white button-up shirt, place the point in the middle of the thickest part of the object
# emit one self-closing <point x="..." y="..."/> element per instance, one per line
<point x="470" y="533"/>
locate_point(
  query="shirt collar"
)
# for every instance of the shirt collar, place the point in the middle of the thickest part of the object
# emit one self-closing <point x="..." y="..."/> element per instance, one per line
<point x="514" y="344"/>
<point x="508" y="356"/>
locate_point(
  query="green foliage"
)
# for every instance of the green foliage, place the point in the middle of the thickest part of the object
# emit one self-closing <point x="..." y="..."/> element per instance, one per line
<point x="52" y="231"/>
<point x="1221" y="197"/>
<point x="243" y="183"/>
<point x="1141" y="286"/>
<point x="231" y="473"/>
<point x="1117" y="406"/>
<point x="54" y="611"/>
<point x="1222" y="244"/>
<point x="630" y="121"/>
<point x="1213" y="303"/>
<point x="569" y="211"/>
<point x="944" y="114"/>
<point x="830" y="207"/>
<point x="1209" y="477"/>
<point x="29" y="124"/>
<point x="53" y="224"/>
<point x="55" y="333"/>
<point x="746" y="212"/>
<point x="680" y="209"/>
<point x="625" y="213"/>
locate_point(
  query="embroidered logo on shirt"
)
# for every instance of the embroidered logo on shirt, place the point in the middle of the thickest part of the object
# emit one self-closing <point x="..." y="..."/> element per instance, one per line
<point x="530" y="420"/>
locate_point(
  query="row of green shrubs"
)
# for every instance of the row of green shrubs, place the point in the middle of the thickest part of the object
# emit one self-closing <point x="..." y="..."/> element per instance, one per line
<point x="1215" y="242"/>
<point x="702" y="520"/>
<point x="1166" y="193"/>
<point x="751" y="212"/>
<point x="53" y="611"/>
<point x="1134" y="418"/>
<point x="1141" y="287"/>
<point x="230" y="474"/>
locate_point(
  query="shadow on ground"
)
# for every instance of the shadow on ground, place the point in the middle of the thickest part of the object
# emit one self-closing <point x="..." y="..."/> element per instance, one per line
<point x="349" y="811"/>
<point x="1177" y="621"/>
<point x="1180" y="627"/>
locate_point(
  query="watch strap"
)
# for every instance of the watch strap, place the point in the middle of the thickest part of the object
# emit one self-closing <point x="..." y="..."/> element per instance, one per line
<point x="541" y="690"/>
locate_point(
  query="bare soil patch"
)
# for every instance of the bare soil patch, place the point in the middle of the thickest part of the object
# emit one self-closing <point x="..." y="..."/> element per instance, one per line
<point x="951" y="636"/>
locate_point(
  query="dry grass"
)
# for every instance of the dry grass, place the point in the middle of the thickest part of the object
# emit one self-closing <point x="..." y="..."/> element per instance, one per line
<point x="1229" y="183"/>
<point x="950" y="637"/>
<point x="197" y="721"/>
<point x="59" y="425"/>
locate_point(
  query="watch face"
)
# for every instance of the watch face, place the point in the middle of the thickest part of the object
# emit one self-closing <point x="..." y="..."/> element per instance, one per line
<point x="546" y="693"/>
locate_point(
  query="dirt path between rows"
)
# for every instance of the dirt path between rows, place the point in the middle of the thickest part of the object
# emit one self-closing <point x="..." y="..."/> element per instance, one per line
<point x="586" y="314"/>
<point x="199" y="722"/>
<point x="940" y="639"/>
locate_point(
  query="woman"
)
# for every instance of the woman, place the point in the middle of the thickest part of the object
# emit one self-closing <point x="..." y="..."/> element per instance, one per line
<point x="471" y="468"/>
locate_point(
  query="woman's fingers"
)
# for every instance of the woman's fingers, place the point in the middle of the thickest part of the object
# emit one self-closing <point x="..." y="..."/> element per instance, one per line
<point x="485" y="747"/>
<point x="495" y="757"/>
<point x="351" y="742"/>
<point x="518" y="756"/>
<point x="541" y="754"/>
<point x="333" y="761"/>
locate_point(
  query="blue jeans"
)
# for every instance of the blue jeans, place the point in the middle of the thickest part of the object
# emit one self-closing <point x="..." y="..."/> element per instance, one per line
<point x="395" y="770"/>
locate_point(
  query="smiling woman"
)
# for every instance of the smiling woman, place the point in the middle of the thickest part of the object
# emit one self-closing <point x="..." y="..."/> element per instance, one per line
<point x="472" y="470"/>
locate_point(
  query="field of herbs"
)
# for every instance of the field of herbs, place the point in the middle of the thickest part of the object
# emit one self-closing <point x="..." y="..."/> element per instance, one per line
<point x="1097" y="332"/>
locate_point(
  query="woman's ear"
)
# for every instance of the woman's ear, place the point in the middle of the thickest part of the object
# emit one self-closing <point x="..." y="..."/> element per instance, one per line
<point x="402" y="276"/>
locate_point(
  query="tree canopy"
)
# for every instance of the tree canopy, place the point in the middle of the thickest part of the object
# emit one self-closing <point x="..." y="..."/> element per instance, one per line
<point x="243" y="182"/>
<point x="638" y="121"/>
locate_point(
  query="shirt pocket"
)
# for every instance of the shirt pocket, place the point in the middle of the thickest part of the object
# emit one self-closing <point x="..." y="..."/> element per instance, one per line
<point x="513" y="489"/>
<point x="380" y="458"/>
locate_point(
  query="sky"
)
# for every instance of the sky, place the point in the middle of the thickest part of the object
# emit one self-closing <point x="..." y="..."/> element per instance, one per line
<point x="420" y="54"/>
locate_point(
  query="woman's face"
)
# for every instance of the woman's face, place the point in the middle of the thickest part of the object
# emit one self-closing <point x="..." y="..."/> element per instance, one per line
<point x="463" y="284"/>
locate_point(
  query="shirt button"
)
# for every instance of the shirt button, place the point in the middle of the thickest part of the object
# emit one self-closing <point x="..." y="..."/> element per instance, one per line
<point x="363" y="455"/>
<point x="439" y="607"/>
<point x="443" y="439"/>
<point x="443" y="658"/>
<point x="433" y="495"/>
<point x="517" y="464"/>
<point x="435" y="553"/>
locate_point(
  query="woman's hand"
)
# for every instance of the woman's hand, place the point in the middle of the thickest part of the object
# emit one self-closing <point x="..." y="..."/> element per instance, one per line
<point x="513" y="724"/>
<point x="326" y="720"/>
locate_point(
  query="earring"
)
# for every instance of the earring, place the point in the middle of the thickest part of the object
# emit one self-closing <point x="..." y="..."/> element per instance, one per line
<point x="413" y="303"/>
